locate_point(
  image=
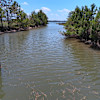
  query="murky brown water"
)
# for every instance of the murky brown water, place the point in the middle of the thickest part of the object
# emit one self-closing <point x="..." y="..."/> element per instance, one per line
<point x="41" y="64"/>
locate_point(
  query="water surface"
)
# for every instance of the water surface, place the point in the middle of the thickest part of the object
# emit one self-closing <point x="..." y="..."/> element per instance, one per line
<point x="41" y="64"/>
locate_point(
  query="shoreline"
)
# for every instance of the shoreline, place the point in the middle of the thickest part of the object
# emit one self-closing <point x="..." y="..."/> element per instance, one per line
<point x="20" y="29"/>
<point x="92" y="45"/>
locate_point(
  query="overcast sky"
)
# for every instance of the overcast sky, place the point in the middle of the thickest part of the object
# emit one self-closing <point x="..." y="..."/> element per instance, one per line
<point x="55" y="9"/>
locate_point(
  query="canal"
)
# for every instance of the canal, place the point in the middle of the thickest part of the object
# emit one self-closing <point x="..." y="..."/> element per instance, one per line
<point x="40" y="64"/>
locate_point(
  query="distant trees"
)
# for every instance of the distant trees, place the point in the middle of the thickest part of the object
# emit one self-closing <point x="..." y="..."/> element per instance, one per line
<point x="42" y="17"/>
<point x="39" y="18"/>
<point x="13" y="17"/>
<point x="85" y="23"/>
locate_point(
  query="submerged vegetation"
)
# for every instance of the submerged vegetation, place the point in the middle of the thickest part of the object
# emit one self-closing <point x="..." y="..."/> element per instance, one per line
<point x="84" y="23"/>
<point x="12" y="17"/>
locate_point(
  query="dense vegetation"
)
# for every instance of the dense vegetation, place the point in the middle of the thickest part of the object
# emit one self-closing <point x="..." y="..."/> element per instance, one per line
<point x="84" y="23"/>
<point x="13" y="17"/>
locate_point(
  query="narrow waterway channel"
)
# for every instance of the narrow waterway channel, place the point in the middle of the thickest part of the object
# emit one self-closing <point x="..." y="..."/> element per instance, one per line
<point x="41" y="64"/>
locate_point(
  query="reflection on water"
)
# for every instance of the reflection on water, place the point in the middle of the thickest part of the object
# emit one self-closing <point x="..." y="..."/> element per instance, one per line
<point x="41" y="64"/>
<point x="1" y="91"/>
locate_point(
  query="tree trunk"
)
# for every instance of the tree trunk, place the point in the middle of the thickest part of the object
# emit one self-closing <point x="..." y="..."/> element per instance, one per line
<point x="1" y="24"/>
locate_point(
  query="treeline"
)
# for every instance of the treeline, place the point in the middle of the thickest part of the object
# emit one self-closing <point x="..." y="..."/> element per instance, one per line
<point x="84" y="23"/>
<point x="13" y="17"/>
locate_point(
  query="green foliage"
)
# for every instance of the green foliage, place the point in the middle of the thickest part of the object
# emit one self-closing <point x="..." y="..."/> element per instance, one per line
<point x="1" y="16"/>
<point x="10" y="11"/>
<point x="39" y="18"/>
<point x="85" y="22"/>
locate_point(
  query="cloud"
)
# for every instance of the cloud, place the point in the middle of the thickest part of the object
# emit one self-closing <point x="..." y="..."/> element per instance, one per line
<point x="28" y="14"/>
<point x="37" y="10"/>
<point x="64" y="10"/>
<point x="20" y="8"/>
<point x="44" y="9"/>
<point x="61" y="14"/>
<point x="24" y="3"/>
